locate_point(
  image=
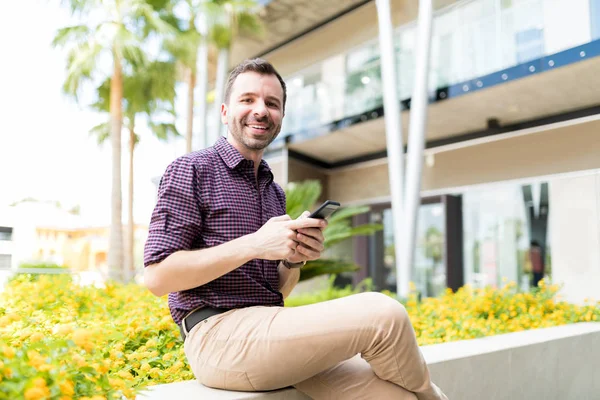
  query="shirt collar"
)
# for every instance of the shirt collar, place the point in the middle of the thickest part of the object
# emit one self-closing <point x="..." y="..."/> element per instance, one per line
<point x="232" y="156"/>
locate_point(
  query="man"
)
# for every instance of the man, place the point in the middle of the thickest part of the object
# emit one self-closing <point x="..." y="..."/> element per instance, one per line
<point x="222" y="247"/>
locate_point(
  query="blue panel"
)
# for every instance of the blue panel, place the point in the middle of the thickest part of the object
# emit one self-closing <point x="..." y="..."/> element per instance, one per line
<point x="566" y="57"/>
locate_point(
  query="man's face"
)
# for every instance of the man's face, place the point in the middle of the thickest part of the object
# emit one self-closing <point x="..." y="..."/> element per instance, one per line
<point x="255" y="110"/>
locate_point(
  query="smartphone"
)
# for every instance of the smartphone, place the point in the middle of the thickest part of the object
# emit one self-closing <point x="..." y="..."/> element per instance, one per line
<point x="325" y="210"/>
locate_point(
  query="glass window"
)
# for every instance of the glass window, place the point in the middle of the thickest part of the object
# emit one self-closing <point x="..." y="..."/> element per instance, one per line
<point x="5" y="233"/>
<point x="5" y="261"/>
<point x="495" y="236"/>
<point x="429" y="273"/>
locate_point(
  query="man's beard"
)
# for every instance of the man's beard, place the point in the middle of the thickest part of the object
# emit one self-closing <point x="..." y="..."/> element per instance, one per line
<point x="250" y="142"/>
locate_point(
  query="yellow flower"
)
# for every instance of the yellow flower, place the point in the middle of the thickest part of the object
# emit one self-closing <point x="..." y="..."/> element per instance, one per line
<point x="83" y="339"/>
<point x="37" y="393"/>
<point x="9" y="352"/>
<point x="36" y="337"/>
<point x="145" y="367"/>
<point x="66" y="388"/>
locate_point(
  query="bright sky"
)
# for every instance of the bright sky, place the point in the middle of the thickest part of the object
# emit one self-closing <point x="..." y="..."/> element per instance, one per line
<point x="45" y="149"/>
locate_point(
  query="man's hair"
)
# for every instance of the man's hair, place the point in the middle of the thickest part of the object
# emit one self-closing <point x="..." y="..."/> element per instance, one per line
<point x="259" y="66"/>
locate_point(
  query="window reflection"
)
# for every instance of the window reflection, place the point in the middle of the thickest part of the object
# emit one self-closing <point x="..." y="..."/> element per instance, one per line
<point x="428" y="272"/>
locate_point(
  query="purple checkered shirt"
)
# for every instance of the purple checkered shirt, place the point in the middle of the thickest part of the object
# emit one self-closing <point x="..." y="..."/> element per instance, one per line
<point x="207" y="198"/>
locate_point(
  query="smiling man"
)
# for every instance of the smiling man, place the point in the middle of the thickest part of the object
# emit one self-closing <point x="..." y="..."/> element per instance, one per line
<point x="222" y="247"/>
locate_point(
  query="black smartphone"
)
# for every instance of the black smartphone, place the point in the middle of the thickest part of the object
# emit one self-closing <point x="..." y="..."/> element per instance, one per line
<point x="325" y="210"/>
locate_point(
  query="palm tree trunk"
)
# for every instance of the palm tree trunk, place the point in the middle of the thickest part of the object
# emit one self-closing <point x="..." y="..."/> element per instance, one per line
<point x="129" y="234"/>
<point x="191" y="81"/>
<point x="201" y="65"/>
<point x="115" y="250"/>
<point x="222" y="68"/>
<point x="202" y="71"/>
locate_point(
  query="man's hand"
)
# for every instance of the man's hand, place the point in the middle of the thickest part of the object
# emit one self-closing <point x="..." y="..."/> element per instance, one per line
<point x="282" y="238"/>
<point x="310" y="242"/>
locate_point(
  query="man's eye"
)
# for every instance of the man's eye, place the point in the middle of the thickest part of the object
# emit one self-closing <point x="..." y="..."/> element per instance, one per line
<point x="246" y="100"/>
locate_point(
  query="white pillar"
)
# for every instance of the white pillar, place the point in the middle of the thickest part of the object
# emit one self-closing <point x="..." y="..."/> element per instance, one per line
<point x="393" y="129"/>
<point x="416" y="138"/>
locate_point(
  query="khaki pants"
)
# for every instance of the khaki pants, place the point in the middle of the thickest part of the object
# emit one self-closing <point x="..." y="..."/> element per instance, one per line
<point x="358" y="347"/>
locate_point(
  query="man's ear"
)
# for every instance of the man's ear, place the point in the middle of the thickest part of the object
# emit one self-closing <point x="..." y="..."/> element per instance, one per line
<point x="224" y="114"/>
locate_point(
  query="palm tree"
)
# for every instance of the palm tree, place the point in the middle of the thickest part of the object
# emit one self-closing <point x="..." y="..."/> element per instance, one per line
<point x="116" y="30"/>
<point x="149" y="91"/>
<point x="190" y="48"/>
<point x="230" y="19"/>
<point x="301" y="196"/>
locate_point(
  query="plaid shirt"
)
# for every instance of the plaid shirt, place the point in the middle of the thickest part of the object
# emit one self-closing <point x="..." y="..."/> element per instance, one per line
<point x="207" y="198"/>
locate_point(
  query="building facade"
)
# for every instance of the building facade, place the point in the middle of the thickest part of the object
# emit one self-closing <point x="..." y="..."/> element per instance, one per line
<point x="511" y="181"/>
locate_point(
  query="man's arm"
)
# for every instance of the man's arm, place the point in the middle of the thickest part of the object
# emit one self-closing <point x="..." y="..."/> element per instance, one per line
<point x="182" y="270"/>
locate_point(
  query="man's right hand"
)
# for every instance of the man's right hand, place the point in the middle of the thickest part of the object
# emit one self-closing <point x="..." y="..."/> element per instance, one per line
<point x="277" y="239"/>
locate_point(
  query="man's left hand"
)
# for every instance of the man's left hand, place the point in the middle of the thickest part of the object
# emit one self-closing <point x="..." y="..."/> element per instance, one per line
<point x="310" y="243"/>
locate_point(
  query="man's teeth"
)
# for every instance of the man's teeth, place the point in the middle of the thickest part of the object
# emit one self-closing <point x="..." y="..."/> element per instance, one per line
<point x="258" y="127"/>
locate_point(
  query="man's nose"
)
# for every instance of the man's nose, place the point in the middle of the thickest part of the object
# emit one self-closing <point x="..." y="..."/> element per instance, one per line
<point x="260" y="108"/>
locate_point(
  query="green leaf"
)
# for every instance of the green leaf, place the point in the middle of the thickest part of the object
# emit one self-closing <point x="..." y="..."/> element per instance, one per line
<point x="101" y="132"/>
<point x="77" y="35"/>
<point x="326" y="267"/>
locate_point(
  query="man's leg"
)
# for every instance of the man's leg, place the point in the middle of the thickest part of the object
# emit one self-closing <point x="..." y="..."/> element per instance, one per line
<point x="352" y="379"/>
<point x="264" y="348"/>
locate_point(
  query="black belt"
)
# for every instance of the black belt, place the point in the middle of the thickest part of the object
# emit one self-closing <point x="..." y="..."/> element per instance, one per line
<point x="197" y="316"/>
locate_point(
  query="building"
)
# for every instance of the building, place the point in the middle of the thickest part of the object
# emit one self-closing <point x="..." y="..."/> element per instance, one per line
<point x="511" y="180"/>
<point x="42" y="233"/>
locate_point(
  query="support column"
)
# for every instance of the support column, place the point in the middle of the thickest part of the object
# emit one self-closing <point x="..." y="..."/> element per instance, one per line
<point x="416" y="139"/>
<point x="393" y="129"/>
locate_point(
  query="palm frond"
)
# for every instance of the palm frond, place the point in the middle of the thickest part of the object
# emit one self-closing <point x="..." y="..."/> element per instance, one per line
<point x="163" y="131"/>
<point x="81" y="63"/>
<point x="71" y="35"/>
<point x="302" y="196"/>
<point x="326" y="267"/>
<point x="101" y="132"/>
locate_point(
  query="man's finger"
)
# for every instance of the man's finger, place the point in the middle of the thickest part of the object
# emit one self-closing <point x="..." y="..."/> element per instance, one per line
<point x="282" y="218"/>
<point x="307" y="223"/>
<point x="305" y="214"/>
<point x="313" y="232"/>
<point x="309" y="253"/>
<point x="308" y="241"/>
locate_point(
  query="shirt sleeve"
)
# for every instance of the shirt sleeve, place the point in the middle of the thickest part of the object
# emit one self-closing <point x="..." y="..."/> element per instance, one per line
<point x="176" y="221"/>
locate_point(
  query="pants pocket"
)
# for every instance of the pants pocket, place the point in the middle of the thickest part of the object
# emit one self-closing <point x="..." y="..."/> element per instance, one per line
<point x="222" y="379"/>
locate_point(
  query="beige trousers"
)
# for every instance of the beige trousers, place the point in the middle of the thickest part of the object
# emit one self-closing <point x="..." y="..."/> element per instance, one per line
<point x="359" y="347"/>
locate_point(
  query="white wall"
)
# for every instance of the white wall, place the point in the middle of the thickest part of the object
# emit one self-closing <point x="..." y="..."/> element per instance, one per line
<point x="575" y="236"/>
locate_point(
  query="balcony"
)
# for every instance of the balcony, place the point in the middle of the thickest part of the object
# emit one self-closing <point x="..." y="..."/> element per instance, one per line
<point x="509" y="62"/>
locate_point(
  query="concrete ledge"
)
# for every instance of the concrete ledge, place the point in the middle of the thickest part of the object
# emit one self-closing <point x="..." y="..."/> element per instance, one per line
<point x="548" y="364"/>
<point x="189" y="390"/>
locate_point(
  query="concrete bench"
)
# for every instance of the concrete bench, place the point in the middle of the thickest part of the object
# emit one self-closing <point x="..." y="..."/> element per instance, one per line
<point x="556" y="363"/>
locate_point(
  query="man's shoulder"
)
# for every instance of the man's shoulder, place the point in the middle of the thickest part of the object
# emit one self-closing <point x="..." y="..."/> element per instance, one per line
<point x="199" y="160"/>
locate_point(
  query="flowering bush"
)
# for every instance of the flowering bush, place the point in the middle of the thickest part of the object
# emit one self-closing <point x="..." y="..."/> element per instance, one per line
<point x="60" y="341"/>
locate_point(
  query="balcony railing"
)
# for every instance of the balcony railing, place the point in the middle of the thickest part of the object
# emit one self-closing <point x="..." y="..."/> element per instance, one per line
<point x="470" y="39"/>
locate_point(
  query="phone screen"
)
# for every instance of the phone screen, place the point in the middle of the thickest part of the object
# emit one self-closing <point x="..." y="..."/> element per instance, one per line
<point x="325" y="210"/>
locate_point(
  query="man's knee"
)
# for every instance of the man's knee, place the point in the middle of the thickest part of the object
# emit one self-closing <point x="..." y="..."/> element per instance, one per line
<point x="385" y="307"/>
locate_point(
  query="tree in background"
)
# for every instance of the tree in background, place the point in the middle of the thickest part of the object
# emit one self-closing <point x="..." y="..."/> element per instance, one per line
<point x="149" y="92"/>
<point x="303" y="196"/>
<point x="115" y="30"/>
<point x="230" y="18"/>
<point x="190" y="49"/>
